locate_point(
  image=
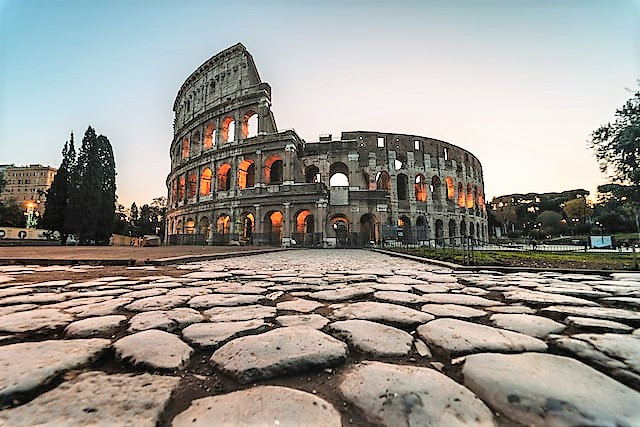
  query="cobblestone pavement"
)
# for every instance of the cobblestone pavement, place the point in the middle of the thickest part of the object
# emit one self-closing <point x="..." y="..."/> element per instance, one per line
<point x="317" y="338"/>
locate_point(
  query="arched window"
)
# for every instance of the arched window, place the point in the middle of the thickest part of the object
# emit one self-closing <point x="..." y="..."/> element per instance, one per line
<point x="204" y="226"/>
<point x="420" y="188"/>
<point x="463" y="229"/>
<point x="402" y="187"/>
<point x="436" y="188"/>
<point x="338" y="175"/>
<point x="174" y="190"/>
<point x="312" y="174"/>
<point x="250" y="125"/>
<point x="224" y="177"/>
<point x="193" y="184"/>
<point x="247" y="221"/>
<point x="205" y="182"/>
<point x="222" y="224"/>
<point x="181" y="187"/>
<point x="383" y="182"/>
<point x="273" y="170"/>
<point x="461" y="200"/>
<point x="451" y="189"/>
<point x="190" y="226"/>
<point x="469" y="196"/>
<point x="304" y="222"/>
<point x="247" y="174"/>
<point x="228" y="131"/>
<point x="452" y="230"/>
<point x="274" y="227"/>
<point x="185" y="148"/>
<point x="209" y="136"/>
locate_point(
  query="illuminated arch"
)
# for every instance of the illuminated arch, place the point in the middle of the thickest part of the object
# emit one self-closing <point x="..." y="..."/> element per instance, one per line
<point x="420" y="188"/>
<point x="250" y="125"/>
<point x="469" y="196"/>
<point x="181" y="187"/>
<point x="383" y="181"/>
<point x="228" y="131"/>
<point x="209" y="136"/>
<point x="338" y="175"/>
<point x="451" y="189"/>
<point x="223" y="224"/>
<point x="205" y="181"/>
<point x="273" y="170"/>
<point x="193" y="184"/>
<point x="189" y="226"/>
<point x="224" y="177"/>
<point x="185" y="148"/>
<point x="461" y="199"/>
<point x="247" y="174"/>
<point x="304" y="222"/>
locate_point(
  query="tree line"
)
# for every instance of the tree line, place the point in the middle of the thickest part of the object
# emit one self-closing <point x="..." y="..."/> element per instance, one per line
<point x="137" y="222"/>
<point x="82" y="197"/>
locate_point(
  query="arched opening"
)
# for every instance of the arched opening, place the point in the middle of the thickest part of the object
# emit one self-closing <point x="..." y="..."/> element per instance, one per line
<point x="224" y="177"/>
<point x="436" y="188"/>
<point x="228" y="131"/>
<point x="461" y="200"/>
<point x="250" y="125"/>
<point x="179" y="229"/>
<point x="469" y="196"/>
<point x="204" y="227"/>
<point x="338" y="175"/>
<point x="209" y="136"/>
<point x="205" y="181"/>
<point x="339" y="224"/>
<point x="181" y="187"/>
<point x="274" y="227"/>
<point x="247" y="174"/>
<point x="404" y="228"/>
<point x="421" y="228"/>
<point x="273" y="170"/>
<point x="463" y="230"/>
<point x="190" y="226"/>
<point x="304" y="222"/>
<point x="311" y="174"/>
<point x="368" y="229"/>
<point x="193" y="184"/>
<point x="402" y="187"/>
<point x="439" y="232"/>
<point x="247" y="224"/>
<point x="472" y="230"/>
<point x="223" y="225"/>
<point x="451" y="189"/>
<point x="185" y="148"/>
<point x="420" y="188"/>
<point x="174" y="190"/>
<point x="383" y="181"/>
<point x="481" y="199"/>
<point x="452" y="231"/>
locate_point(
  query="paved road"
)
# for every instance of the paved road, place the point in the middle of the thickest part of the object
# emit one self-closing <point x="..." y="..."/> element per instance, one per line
<point x="316" y="337"/>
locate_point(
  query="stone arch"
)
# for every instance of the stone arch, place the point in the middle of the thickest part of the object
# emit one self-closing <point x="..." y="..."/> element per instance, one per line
<point x="402" y="186"/>
<point x="205" y="181"/>
<point x="420" y="188"/>
<point x="311" y="174"/>
<point x="404" y="228"/>
<point x="369" y="231"/>
<point x="338" y="175"/>
<point x="189" y="226"/>
<point x="223" y="224"/>
<point x="204" y="226"/>
<point x="463" y="229"/>
<point x="461" y="199"/>
<point x="179" y="229"/>
<point x="436" y="188"/>
<point x="185" y="148"/>
<point x="470" y="197"/>
<point x="273" y="222"/>
<point x="304" y="222"/>
<point x="228" y="130"/>
<point x="250" y="124"/>
<point x="383" y="181"/>
<point x="192" y="182"/>
<point x="181" y="187"/>
<point x="472" y="230"/>
<point x="451" y="189"/>
<point x="439" y="232"/>
<point x="422" y="228"/>
<point x="224" y="177"/>
<point x="247" y="174"/>
<point x="274" y="170"/>
<point x="453" y="231"/>
<point x="247" y="224"/>
<point x="209" y="136"/>
<point x="339" y="227"/>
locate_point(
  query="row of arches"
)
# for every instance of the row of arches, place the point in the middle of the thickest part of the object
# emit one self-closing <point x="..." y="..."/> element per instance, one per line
<point x="227" y="132"/>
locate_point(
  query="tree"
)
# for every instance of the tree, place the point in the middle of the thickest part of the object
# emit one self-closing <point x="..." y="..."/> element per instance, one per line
<point x="617" y="148"/>
<point x="550" y="221"/>
<point x="58" y="194"/>
<point x="134" y="216"/>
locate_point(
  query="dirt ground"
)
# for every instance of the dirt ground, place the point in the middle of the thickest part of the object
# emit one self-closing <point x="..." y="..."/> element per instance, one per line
<point x="113" y="252"/>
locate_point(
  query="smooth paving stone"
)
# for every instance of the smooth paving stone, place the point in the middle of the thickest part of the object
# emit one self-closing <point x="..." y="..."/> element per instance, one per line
<point x="189" y="292"/>
<point x="390" y="287"/>
<point x="342" y="294"/>
<point x="25" y="366"/>
<point x="609" y="350"/>
<point x="101" y="326"/>
<point x="421" y="348"/>
<point x="460" y="337"/>
<point x="545" y="389"/>
<point x="528" y="297"/>
<point x="513" y="309"/>
<point x="97" y="398"/>
<point x="99" y="309"/>
<point x="453" y="310"/>
<point x="403" y="280"/>
<point x="240" y="289"/>
<point x="184" y="316"/>
<point x="459" y="299"/>
<point x="15" y="308"/>
<point x="299" y="305"/>
<point x="382" y="312"/>
<point x="400" y="395"/>
<point x="260" y="406"/>
<point x="314" y="321"/>
<point x="633" y="301"/>
<point x="151" y="320"/>
<point x="597" y="325"/>
<point x="235" y="314"/>
<point x="224" y="300"/>
<point x="572" y="291"/>
<point x="208" y="275"/>
<point x="596" y="312"/>
<point x="154" y="349"/>
<point x="144" y="294"/>
<point x="162" y="302"/>
<point x="76" y="302"/>
<point x="474" y="291"/>
<point x="214" y="334"/>
<point x="437" y="277"/>
<point x="39" y="298"/>
<point x="535" y="326"/>
<point x="282" y="351"/>
<point x="34" y="320"/>
<point x="397" y="297"/>
<point x="373" y="338"/>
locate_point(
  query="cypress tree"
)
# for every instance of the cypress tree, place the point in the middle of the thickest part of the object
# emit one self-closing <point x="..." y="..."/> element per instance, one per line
<point x="106" y="207"/>
<point x="58" y="194"/>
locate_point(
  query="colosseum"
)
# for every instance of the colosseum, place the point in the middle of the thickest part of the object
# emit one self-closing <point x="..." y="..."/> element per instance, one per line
<point x="236" y="178"/>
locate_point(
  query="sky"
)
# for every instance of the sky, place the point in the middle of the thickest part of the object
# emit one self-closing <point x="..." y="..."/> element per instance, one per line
<point x="521" y="84"/>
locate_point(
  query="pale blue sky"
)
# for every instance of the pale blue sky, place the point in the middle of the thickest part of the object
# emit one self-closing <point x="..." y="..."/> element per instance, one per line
<point x="521" y="84"/>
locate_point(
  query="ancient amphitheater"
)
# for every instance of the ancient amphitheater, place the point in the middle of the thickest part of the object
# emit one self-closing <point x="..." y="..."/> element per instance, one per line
<point x="234" y="176"/>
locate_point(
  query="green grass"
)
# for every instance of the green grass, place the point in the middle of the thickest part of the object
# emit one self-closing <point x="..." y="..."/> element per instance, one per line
<point x="582" y="260"/>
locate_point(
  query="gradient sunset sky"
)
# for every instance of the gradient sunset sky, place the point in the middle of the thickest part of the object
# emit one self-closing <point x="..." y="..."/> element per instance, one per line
<point x="521" y="84"/>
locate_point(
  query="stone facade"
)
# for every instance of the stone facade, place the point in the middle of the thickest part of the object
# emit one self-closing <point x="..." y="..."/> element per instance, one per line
<point x="27" y="185"/>
<point x="234" y="176"/>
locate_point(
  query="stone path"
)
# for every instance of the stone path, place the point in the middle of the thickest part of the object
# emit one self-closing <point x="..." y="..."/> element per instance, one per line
<point x="334" y="337"/>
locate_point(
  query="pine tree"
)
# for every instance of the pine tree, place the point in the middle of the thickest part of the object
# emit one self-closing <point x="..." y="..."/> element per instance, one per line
<point x="58" y="194"/>
<point x="106" y="165"/>
<point x="134" y="216"/>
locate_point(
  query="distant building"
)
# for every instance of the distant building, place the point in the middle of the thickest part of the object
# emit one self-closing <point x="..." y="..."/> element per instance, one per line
<point x="27" y="186"/>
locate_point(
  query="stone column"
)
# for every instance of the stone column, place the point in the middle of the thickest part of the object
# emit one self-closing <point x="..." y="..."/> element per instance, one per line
<point x="259" y="169"/>
<point x="286" y="220"/>
<point x="258" y="227"/>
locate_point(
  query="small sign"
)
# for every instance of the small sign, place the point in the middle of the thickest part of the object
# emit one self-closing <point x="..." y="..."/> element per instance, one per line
<point x="381" y="208"/>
